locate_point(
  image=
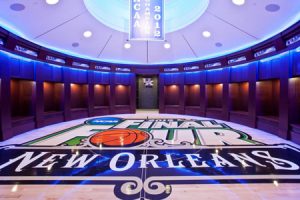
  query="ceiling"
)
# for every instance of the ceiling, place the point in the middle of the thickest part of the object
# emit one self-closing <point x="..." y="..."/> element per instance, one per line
<point x="61" y="27"/>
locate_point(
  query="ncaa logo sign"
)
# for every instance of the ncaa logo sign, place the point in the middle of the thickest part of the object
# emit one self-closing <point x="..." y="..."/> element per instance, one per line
<point x="143" y="158"/>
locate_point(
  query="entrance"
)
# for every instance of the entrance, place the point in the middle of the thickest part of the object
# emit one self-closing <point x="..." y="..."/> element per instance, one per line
<point x="147" y="92"/>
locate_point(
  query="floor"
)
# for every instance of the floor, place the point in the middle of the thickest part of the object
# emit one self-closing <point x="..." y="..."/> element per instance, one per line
<point x="173" y="157"/>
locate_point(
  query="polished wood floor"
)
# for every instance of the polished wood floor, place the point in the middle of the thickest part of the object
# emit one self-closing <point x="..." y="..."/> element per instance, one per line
<point x="262" y="191"/>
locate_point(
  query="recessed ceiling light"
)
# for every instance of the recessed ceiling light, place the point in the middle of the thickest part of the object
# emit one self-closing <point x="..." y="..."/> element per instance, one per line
<point x="167" y="45"/>
<point x="87" y="34"/>
<point x="238" y="2"/>
<point x="127" y="45"/>
<point x="52" y="2"/>
<point x="206" y="34"/>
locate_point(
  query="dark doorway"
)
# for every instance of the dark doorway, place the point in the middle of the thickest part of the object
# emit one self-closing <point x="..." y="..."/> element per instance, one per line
<point x="147" y="92"/>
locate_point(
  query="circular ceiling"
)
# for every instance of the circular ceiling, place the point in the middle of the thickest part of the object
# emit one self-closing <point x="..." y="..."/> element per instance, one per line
<point x="196" y="29"/>
<point x="178" y="13"/>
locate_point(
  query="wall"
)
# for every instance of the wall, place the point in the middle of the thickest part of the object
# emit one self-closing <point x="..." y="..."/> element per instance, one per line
<point x="250" y="94"/>
<point x="48" y="81"/>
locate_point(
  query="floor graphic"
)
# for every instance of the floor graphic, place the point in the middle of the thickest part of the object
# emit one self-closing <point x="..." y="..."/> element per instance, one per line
<point x="143" y="158"/>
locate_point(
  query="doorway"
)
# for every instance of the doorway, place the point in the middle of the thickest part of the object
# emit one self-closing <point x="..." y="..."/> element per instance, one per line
<point x="147" y="92"/>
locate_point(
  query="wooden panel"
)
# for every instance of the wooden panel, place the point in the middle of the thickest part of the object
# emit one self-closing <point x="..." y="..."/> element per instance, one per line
<point x="22" y="98"/>
<point x="101" y="95"/>
<point x="122" y="95"/>
<point x="238" y="96"/>
<point x="172" y="78"/>
<point x="172" y="109"/>
<point x="122" y="109"/>
<point x="79" y="95"/>
<point x="267" y="96"/>
<point x="78" y="76"/>
<point x="123" y="78"/>
<point x="101" y="78"/>
<point x="52" y="118"/>
<point x="295" y="58"/>
<point x="101" y="110"/>
<point x="192" y="110"/>
<point x="53" y="96"/>
<point x="240" y="117"/>
<point x="22" y="68"/>
<point x="294" y="100"/>
<point x="239" y="73"/>
<point x="192" y="95"/>
<point x="214" y="95"/>
<point x="192" y="78"/>
<point x="51" y="73"/>
<point x="214" y="76"/>
<point x="172" y="95"/>
<point x="272" y="69"/>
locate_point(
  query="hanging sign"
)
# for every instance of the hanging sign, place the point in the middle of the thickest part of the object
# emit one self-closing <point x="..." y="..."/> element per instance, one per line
<point x="147" y="20"/>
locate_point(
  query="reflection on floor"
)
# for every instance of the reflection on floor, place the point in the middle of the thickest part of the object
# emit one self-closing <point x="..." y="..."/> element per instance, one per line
<point x="151" y="156"/>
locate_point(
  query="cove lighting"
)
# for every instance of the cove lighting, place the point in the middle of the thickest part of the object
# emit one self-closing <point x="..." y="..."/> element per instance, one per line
<point x="52" y="2"/>
<point x="274" y="57"/>
<point x="238" y="2"/>
<point x="11" y="55"/>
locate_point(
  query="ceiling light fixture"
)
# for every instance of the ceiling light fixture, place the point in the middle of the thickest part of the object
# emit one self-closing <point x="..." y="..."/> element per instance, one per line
<point x="87" y="34"/>
<point x="206" y="34"/>
<point x="127" y="45"/>
<point x="238" y="2"/>
<point x="52" y="2"/>
<point x="167" y="45"/>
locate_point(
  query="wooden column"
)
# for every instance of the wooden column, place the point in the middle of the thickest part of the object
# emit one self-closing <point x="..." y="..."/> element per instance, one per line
<point x="5" y="111"/>
<point x="225" y="106"/>
<point x="133" y="93"/>
<point x="67" y="94"/>
<point x="181" y="92"/>
<point x="112" y="94"/>
<point x="39" y="95"/>
<point x="202" y="94"/>
<point x="91" y="95"/>
<point x="161" y="90"/>
<point x="252" y="76"/>
<point x="286" y="73"/>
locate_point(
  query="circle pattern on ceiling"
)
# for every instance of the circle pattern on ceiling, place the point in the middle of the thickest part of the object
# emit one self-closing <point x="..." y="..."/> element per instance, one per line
<point x="116" y="13"/>
<point x="272" y="7"/>
<point x="17" y="7"/>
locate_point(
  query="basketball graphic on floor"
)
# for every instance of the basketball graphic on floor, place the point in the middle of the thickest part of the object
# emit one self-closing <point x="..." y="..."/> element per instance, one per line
<point x="119" y="138"/>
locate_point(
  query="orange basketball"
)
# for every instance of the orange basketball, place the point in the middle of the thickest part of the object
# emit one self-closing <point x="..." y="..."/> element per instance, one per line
<point x="119" y="138"/>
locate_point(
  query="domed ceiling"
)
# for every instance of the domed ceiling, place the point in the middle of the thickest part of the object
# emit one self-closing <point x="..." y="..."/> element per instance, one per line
<point x="195" y="29"/>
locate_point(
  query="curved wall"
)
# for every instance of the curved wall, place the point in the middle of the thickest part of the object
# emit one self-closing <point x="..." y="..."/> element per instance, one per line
<point x="263" y="93"/>
<point x="29" y="88"/>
